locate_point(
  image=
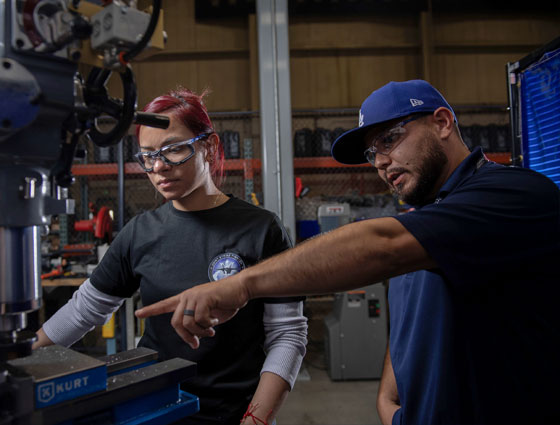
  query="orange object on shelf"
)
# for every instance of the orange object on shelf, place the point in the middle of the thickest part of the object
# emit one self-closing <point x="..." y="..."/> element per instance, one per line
<point x="78" y="249"/>
<point x="56" y="272"/>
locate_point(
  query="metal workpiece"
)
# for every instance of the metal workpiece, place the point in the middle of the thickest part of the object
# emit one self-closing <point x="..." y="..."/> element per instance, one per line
<point x="55" y="361"/>
<point x="158" y="375"/>
<point x="128" y="359"/>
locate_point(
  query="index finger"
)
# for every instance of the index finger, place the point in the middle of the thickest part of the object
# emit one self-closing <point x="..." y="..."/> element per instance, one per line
<point x="167" y="305"/>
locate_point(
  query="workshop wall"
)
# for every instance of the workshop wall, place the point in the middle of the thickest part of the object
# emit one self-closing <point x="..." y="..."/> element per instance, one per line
<point x="335" y="61"/>
<point x="199" y="55"/>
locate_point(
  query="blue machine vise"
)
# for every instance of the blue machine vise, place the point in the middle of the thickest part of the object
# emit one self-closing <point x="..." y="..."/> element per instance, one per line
<point x="131" y="387"/>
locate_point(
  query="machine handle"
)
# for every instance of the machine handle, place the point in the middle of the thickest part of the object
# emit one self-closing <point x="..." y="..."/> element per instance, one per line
<point x="96" y="96"/>
<point x="151" y="120"/>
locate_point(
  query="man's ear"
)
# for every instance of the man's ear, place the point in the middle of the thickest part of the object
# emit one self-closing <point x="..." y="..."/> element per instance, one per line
<point x="445" y="121"/>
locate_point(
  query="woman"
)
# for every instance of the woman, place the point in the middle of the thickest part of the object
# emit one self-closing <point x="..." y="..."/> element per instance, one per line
<point x="245" y="372"/>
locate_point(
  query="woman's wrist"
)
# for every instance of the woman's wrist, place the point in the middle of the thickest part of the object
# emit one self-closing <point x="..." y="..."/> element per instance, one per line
<point x="255" y="417"/>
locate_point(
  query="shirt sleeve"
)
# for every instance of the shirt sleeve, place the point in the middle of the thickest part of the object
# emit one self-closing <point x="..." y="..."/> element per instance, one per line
<point x="87" y="308"/>
<point x="114" y="275"/>
<point x="277" y="239"/>
<point x="495" y="225"/>
<point x="285" y="329"/>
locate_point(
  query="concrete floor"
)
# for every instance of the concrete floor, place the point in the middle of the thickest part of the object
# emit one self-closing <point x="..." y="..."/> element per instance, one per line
<point x="316" y="399"/>
<point x="319" y="400"/>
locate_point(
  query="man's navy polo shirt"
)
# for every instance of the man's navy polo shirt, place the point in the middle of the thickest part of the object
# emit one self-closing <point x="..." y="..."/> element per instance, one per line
<point x="475" y="340"/>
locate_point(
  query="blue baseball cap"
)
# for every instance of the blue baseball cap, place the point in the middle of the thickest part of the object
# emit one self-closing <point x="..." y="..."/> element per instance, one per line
<point x="393" y="100"/>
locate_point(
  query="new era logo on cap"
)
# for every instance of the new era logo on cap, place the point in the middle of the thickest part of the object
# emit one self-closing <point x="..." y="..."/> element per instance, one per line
<point x="360" y="119"/>
<point x="416" y="102"/>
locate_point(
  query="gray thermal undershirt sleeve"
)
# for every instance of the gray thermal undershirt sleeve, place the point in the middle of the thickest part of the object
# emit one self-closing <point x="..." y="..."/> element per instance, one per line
<point x="284" y="324"/>
<point x="285" y="329"/>
<point x="87" y="308"/>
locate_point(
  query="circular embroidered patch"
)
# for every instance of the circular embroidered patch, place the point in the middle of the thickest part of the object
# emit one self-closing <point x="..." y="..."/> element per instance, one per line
<point x="225" y="265"/>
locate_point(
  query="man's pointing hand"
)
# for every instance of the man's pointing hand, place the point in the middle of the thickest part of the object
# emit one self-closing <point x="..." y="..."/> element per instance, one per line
<point x="197" y="310"/>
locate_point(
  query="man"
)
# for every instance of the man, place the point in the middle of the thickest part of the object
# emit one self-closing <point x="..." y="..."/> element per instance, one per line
<point x="474" y="328"/>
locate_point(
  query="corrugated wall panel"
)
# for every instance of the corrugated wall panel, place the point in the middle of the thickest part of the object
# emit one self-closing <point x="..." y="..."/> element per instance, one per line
<point x="336" y="62"/>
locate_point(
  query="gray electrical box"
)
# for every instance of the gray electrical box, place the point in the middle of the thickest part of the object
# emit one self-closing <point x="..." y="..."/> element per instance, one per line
<point x="331" y="216"/>
<point x="356" y="334"/>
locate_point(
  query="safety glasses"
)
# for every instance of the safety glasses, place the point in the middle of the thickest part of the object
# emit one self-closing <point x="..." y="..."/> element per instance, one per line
<point x="385" y="142"/>
<point x="173" y="154"/>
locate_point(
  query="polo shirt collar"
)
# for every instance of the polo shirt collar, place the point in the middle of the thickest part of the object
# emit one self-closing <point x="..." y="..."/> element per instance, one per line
<point x="465" y="169"/>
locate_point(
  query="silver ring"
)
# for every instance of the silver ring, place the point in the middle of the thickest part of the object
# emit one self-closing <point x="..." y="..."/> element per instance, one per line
<point x="188" y="312"/>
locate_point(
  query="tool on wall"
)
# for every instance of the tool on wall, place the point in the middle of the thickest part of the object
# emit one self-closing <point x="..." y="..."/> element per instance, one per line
<point x="301" y="190"/>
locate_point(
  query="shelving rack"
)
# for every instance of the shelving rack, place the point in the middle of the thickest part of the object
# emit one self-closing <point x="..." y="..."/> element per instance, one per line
<point x="248" y="164"/>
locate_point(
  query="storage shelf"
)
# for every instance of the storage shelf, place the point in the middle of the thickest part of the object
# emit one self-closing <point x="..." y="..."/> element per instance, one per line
<point x="134" y="168"/>
<point x="247" y="165"/>
<point x="105" y="169"/>
<point x="63" y="282"/>
<point x="324" y="162"/>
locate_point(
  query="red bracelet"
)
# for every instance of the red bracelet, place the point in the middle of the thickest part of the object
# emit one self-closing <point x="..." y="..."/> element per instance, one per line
<point x="249" y="414"/>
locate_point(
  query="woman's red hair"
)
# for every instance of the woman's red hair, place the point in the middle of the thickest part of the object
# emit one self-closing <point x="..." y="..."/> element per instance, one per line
<point x="188" y="107"/>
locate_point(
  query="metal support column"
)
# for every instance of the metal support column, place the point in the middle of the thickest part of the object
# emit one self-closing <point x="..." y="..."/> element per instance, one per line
<point x="127" y="319"/>
<point x="276" y="110"/>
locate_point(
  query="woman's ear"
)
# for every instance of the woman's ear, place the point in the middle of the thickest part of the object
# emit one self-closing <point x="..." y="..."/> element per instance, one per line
<point x="211" y="148"/>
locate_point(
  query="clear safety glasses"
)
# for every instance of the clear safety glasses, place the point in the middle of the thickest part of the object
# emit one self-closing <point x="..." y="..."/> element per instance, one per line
<point x="386" y="141"/>
<point x="173" y="154"/>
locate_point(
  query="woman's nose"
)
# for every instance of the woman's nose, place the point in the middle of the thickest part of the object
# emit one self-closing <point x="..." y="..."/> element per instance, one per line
<point x="160" y="164"/>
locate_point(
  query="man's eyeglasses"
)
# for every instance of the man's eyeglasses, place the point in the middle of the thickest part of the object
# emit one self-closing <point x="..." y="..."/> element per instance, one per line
<point x="173" y="154"/>
<point x="385" y="142"/>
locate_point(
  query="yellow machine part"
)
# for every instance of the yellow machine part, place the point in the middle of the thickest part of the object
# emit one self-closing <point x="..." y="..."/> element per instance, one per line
<point x="108" y="329"/>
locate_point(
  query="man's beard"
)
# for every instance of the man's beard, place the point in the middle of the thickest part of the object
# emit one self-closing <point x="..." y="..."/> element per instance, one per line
<point x="428" y="173"/>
